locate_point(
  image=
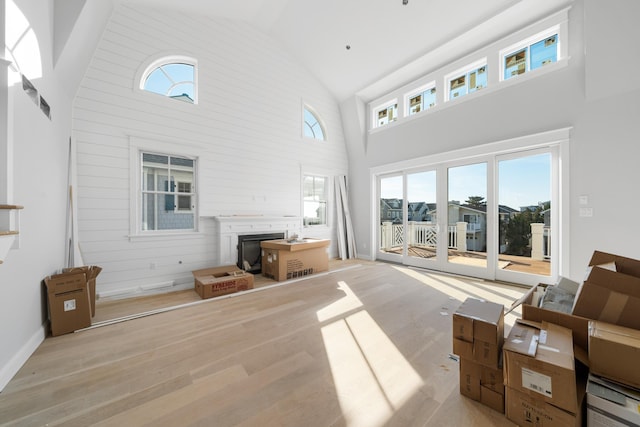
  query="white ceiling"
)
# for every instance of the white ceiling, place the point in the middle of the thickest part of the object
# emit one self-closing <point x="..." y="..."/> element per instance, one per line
<point x="390" y="43"/>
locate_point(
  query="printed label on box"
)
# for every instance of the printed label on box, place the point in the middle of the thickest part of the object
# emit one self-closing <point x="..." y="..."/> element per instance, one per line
<point x="536" y="382"/>
<point x="70" y="305"/>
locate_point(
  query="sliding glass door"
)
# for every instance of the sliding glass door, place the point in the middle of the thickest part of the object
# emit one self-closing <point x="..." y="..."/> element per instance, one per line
<point x="493" y="217"/>
<point x="391" y="218"/>
<point x="526" y="211"/>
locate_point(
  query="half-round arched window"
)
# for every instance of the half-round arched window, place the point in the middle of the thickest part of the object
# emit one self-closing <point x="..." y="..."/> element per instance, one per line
<point x="312" y="125"/>
<point x="173" y="77"/>
<point x="21" y="45"/>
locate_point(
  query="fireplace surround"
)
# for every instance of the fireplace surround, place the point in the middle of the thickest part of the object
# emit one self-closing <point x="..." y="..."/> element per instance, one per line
<point x="229" y="228"/>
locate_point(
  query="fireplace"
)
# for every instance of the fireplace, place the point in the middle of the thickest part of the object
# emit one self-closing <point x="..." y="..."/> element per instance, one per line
<point x="228" y="230"/>
<point x="249" y="252"/>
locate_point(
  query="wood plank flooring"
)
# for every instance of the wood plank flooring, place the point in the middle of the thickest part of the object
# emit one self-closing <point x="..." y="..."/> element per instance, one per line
<point x="363" y="346"/>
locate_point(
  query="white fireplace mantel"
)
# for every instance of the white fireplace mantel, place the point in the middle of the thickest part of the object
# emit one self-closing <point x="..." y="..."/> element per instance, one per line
<point x="228" y="228"/>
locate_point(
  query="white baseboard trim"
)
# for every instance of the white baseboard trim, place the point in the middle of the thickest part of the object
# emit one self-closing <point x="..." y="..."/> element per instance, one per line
<point x="8" y="371"/>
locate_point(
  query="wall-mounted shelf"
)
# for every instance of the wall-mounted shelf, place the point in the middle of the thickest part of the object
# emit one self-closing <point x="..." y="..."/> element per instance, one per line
<point x="7" y="236"/>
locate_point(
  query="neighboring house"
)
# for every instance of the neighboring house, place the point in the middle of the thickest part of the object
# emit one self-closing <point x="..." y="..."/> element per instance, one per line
<point x="391" y="210"/>
<point x="421" y="211"/>
<point x="476" y="219"/>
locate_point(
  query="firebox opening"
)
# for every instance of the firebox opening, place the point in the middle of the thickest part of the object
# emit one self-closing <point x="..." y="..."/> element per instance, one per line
<point x="249" y="252"/>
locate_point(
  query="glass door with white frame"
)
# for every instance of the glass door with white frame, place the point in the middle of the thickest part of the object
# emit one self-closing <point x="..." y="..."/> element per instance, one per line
<point x="525" y="214"/>
<point x="467" y="224"/>
<point x="391" y="218"/>
<point x="422" y="229"/>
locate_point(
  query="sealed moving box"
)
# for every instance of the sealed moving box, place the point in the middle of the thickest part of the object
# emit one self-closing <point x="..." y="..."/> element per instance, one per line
<point x="614" y="353"/>
<point x="478" y="335"/>
<point x="68" y="300"/>
<point x="482" y="383"/>
<point x="284" y="260"/>
<point x="217" y="281"/>
<point x="525" y="410"/>
<point x="478" y="331"/>
<point x="539" y="362"/>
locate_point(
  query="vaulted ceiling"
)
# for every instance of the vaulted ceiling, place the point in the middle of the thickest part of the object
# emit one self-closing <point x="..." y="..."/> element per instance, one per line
<point x="390" y="43"/>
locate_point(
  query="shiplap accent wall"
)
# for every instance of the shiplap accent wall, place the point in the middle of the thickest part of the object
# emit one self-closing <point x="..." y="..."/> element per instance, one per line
<point x="246" y="129"/>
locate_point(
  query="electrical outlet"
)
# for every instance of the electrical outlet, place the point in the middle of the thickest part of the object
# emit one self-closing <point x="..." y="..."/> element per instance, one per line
<point x="586" y="212"/>
<point x="70" y="305"/>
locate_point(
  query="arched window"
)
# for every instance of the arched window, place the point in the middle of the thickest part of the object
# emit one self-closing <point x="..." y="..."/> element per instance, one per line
<point x="174" y="77"/>
<point x="312" y="125"/>
<point x="21" y="45"/>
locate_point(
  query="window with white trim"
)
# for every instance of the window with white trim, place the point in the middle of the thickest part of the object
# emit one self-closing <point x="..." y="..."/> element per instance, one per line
<point x="422" y="99"/>
<point x="312" y="125"/>
<point x="467" y="81"/>
<point x="167" y="192"/>
<point x="315" y="191"/>
<point x="386" y="113"/>
<point x="173" y="77"/>
<point x="530" y="54"/>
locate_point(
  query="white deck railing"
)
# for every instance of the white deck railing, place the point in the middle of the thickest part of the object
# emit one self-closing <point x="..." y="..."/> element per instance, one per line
<point x="421" y="234"/>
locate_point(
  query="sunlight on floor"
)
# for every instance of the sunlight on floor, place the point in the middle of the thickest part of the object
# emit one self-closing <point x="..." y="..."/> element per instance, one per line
<point x="461" y="289"/>
<point x="349" y="302"/>
<point x="364" y="360"/>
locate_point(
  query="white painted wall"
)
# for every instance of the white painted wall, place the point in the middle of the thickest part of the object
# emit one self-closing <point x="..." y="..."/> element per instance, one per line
<point x="40" y="151"/>
<point x="604" y="144"/>
<point x="246" y="130"/>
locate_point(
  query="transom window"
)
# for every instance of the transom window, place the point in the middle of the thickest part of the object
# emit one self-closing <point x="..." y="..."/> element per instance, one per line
<point x="386" y="114"/>
<point x="312" y="125"/>
<point x="465" y="82"/>
<point x="314" y="197"/>
<point x="530" y="54"/>
<point x="172" y="77"/>
<point x="167" y="193"/>
<point x="423" y="100"/>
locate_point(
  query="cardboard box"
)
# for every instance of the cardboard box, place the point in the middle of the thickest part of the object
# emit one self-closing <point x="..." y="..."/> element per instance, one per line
<point x="539" y="362"/>
<point x="623" y="265"/>
<point x="578" y="325"/>
<point x="91" y="273"/>
<point x="216" y="281"/>
<point x="479" y="324"/>
<point x="610" y="296"/>
<point x="482" y="384"/>
<point x="610" y="405"/>
<point x="68" y="301"/>
<point x="614" y="353"/>
<point x="525" y="410"/>
<point x="283" y="260"/>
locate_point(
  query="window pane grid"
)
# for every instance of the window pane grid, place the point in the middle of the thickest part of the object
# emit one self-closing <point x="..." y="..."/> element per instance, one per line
<point x="167" y="192"/>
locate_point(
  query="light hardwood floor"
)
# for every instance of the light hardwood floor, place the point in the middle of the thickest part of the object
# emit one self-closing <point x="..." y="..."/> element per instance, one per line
<point x="367" y="345"/>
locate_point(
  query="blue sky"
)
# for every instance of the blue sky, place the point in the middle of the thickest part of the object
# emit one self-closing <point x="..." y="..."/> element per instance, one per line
<point x="523" y="181"/>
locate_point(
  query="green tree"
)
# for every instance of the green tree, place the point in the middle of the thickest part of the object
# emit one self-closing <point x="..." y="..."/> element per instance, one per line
<point x="476" y="201"/>
<point x="518" y="230"/>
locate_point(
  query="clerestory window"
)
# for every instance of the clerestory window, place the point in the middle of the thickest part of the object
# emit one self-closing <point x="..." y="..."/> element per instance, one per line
<point x="173" y="77"/>
<point x="422" y="100"/>
<point x="386" y="114"/>
<point x="530" y="54"/>
<point x="468" y="81"/>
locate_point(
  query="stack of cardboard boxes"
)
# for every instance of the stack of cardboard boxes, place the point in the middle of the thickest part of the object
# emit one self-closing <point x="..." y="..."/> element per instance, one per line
<point x="555" y="354"/>
<point x="478" y="336"/>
